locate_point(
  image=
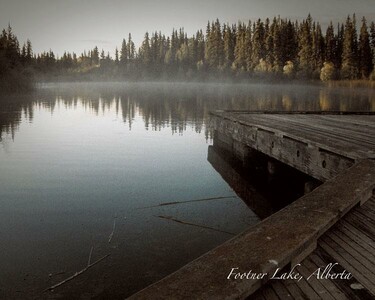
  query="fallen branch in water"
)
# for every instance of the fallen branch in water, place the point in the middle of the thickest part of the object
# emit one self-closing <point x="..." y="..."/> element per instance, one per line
<point x="196" y="225"/>
<point x="113" y="231"/>
<point x="76" y="274"/>
<point x="187" y="201"/>
<point x="89" y="261"/>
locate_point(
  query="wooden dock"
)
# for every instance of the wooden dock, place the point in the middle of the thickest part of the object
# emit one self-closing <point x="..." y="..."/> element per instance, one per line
<point x="318" y="144"/>
<point x="333" y="223"/>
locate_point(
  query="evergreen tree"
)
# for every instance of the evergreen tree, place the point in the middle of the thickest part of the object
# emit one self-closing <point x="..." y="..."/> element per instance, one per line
<point x="239" y="63"/>
<point x="117" y="60"/>
<point x="317" y="49"/>
<point x="305" y="45"/>
<point x="269" y="42"/>
<point x="372" y="42"/>
<point x="131" y="48"/>
<point x="29" y="51"/>
<point x="257" y="44"/>
<point x="95" y="56"/>
<point x="200" y="46"/>
<point x="277" y="58"/>
<point x="23" y="53"/>
<point x="349" y="69"/>
<point x="330" y="43"/>
<point x="145" y="51"/>
<point x="364" y="51"/>
<point x="229" y="42"/>
<point x="339" y="46"/>
<point x="215" y="46"/>
<point x="11" y="47"/>
<point x="247" y="48"/>
<point x="124" y="53"/>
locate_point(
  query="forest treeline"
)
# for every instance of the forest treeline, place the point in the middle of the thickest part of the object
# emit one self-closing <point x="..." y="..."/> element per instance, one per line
<point x="264" y="49"/>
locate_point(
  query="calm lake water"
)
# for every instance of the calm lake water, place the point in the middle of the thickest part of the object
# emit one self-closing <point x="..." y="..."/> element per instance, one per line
<point x="81" y="164"/>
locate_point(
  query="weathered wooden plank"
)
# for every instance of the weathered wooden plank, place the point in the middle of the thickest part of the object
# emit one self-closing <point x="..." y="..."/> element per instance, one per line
<point x="320" y="156"/>
<point x="355" y="251"/>
<point x="348" y="262"/>
<point x="313" y="160"/>
<point x="360" y="121"/>
<point x="366" y="216"/>
<point x="346" y="122"/>
<point x="352" y="141"/>
<point x="297" y="112"/>
<point x="370" y="205"/>
<point x="314" y="282"/>
<point x="329" y="125"/>
<point x="346" y="233"/>
<point x="269" y="294"/>
<point x="307" y="290"/>
<point x="363" y="227"/>
<point x="281" y="129"/>
<point x="258" y="296"/>
<point x="280" y="289"/>
<point x="344" y="285"/>
<point x="333" y="130"/>
<point x="294" y="290"/>
<point x="313" y="262"/>
<point x="288" y="127"/>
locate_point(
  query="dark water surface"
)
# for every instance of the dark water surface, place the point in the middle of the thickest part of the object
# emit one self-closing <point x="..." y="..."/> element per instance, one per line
<point x="79" y="162"/>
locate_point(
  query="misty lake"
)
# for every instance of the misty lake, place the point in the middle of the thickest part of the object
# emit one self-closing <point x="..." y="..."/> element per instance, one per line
<point x="85" y="166"/>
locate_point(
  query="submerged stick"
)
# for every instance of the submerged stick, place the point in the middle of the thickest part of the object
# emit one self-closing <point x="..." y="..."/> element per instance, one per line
<point x="76" y="274"/>
<point x="187" y="201"/>
<point x="196" y="225"/>
<point x="113" y="231"/>
<point x="89" y="261"/>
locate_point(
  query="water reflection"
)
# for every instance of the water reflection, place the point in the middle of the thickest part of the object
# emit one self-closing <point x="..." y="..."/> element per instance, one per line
<point x="264" y="193"/>
<point x="180" y="106"/>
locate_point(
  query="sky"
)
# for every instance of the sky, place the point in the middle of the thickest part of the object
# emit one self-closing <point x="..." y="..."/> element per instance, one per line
<point x="77" y="25"/>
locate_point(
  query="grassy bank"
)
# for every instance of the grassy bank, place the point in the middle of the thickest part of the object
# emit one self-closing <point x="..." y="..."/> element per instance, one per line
<point x="352" y="83"/>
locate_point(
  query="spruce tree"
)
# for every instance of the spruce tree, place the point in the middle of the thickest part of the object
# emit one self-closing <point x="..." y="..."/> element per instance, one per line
<point x="95" y="56"/>
<point x="269" y="41"/>
<point x="349" y="69"/>
<point x="289" y="42"/>
<point x="372" y="42"/>
<point x="29" y="51"/>
<point x="339" y="46"/>
<point x="305" y="45"/>
<point x="258" y="44"/>
<point x="247" y="48"/>
<point x="317" y="49"/>
<point x="228" y="46"/>
<point x="145" y="51"/>
<point x="131" y="48"/>
<point x="117" y="60"/>
<point x="214" y="46"/>
<point x="277" y="47"/>
<point x="123" y="53"/>
<point x="201" y="46"/>
<point x="330" y="44"/>
<point x="364" y="50"/>
<point x="239" y="63"/>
